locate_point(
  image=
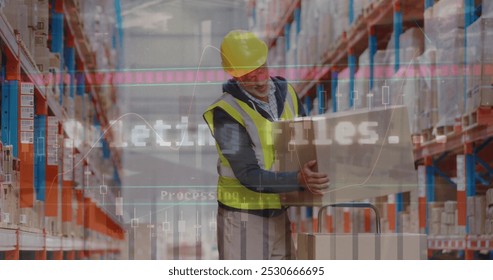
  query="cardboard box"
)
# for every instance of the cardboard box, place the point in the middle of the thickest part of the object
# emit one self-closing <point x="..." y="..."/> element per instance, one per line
<point x="365" y="153"/>
<point x="53" y="226"/>
<point x="3" y="201"/>
<point x="7" y="153"/>
<point x="434" y="228"/>
<point x="489" y="198"/>
<point x="68" y="229"/>
<point x="480" y="214"/>
<point x="43" y="17"/>
<point x="323" y="246"/>
<point x="470" y="206"/>
<point x="10" y="196"/>
<point x="450" y="206"/>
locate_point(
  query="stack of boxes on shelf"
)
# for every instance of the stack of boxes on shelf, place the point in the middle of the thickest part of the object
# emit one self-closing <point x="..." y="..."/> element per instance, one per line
<point x="449" y="225"/>
<point x="95" y="20"/>
<point x="29" y="217"/>
<point x="443" y="219"/>
<point x="53" y="224"/>
<point x="407" y="81"/>
<point x="311" y="35"/>
<point x="488" y="227"/>
<point x="408" y="220"/>
<point x="435" y="217"/>
<point x="308" y="35"/>
<point x="30" y="18"/>
<point x="477" y="214"/>
<point x="33" y="218"/>
<point x="9" y="191"/>
<point x="322" y="24"/>
<point x="53" y="152"/>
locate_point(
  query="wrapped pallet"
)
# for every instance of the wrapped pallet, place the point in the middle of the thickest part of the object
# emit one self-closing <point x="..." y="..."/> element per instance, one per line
<point x="479" y="215"/>
<point x="428" y="89"/>
<point x="411" y="44"/>
<point x="359" y="7"/>
<point x="405" y="84"/>
<point x="412" y="96"/>
<point x="479" y="59"/>
<point x="442" y="18"/>
<point x="451" y="90"/>
<point x="340" y="13"/>
<point x="325" y="22"/>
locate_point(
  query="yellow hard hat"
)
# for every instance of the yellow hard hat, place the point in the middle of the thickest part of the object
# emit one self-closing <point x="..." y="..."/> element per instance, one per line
<point x="242" y="52"/>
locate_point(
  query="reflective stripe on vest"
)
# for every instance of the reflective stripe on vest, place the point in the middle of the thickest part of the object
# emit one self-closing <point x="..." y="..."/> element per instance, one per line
<point x="230" y="191"/>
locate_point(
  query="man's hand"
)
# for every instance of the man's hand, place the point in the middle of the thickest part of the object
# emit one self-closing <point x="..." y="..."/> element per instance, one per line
<point x="312" y="180"/>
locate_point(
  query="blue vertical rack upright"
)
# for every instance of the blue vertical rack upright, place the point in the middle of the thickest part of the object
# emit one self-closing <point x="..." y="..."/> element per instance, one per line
<point x="69" y="58"/>
<point x="40" y="156"/>
<point x="398" y="30"/>
<point x="351" y="11"/>
<point x="81" y="91"/>
<point x="120" y="66"/>
<point x="321" y="98"/>
<point x="308" y="105"/>
<point x="334" y="83"/>
<point x="118" y="40"/>
<point x="373" y="48"/>
<point x="352" y="73"/>
<point x="10" y="114"/>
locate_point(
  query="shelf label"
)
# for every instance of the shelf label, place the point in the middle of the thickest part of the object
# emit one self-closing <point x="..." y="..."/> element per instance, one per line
<point x="27" y="100"/>
<point x="52" y="139"/>
<point x="119" y="206"/>
<point x="52" y="160"/>
<point x="53" y="129"/>
<point x="461" y="173"/>
<point x="422" y="180"/>
<point x="27" y="125"/>
<point x="27" y="88"/>
<point x="27" y="112"/>
<point x="27" y="137"/>
<point x="52" y="121"/>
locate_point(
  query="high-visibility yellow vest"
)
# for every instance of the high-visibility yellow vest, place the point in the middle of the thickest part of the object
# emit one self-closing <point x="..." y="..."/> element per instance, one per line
<point x="230" y="191"/>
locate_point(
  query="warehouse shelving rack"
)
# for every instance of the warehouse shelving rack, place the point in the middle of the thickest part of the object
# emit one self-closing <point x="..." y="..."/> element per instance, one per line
<point x="463" y="154"/>
<point x="103" y="231"/>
